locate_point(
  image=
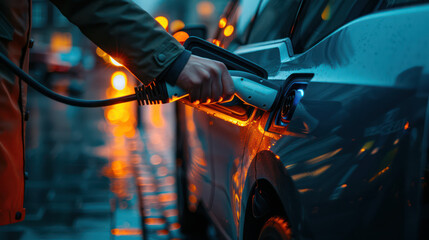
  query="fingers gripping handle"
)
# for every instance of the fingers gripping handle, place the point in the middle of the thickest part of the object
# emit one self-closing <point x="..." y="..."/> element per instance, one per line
<point x="250" y="88"/>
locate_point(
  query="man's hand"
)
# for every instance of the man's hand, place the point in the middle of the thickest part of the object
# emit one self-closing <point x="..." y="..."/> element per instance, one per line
<point x="207" y="81"/>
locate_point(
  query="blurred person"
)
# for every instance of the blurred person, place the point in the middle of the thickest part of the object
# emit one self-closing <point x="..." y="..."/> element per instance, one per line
<point x="128" y="34"/>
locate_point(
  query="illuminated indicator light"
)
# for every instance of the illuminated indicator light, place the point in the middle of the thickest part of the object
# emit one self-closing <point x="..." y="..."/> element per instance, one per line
<point x="396" y="141"/>
<point x="163" y="21"/>
<point x="126" y="231"/>
<point x="205" y="8"/>
<point x="344" y="185"/>
<point x="216" y="42"/>
<point x="114" y="62"/>
<point x="278" y="157"/>
<point x="326" y="14"/>
<point x="181" y="36"/>
<point x="374" y="151"/>
<point x="228" y="30"/>
<point x="222" y="22"/>
<point x="407" y="126"/>
<point x="176" y="25"/>
<point x="119" y="80"/>
<point x="301" y="91"/>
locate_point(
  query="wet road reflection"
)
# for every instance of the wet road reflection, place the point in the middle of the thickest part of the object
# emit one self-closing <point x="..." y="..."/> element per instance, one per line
<point x="155" y="173"/>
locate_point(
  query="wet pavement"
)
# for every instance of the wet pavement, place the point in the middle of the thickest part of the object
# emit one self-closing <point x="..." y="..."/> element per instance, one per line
<point x="92" y="173"/>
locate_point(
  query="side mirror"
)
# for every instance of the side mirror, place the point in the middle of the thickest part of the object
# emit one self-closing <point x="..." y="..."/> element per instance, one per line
<point x="199" y="31"/>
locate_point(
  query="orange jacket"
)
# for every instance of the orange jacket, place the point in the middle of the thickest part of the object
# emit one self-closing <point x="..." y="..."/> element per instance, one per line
<point x="119" y="27"/>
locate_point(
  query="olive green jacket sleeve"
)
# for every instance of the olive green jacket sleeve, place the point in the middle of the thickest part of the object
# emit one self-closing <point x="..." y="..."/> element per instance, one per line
<point x="126" y="32"/>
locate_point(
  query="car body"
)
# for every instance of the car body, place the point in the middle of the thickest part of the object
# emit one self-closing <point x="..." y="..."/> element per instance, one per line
<point x="346" y="158"/>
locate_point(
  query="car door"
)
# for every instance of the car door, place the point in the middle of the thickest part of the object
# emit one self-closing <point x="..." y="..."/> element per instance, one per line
<point x="347" y="147"/>
<point x="326" y="94"/>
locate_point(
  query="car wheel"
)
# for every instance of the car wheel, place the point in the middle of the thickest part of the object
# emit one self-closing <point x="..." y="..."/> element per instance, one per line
<point x="276" y="228"/>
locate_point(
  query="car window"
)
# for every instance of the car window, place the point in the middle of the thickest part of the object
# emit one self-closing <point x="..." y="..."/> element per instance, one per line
<point x="318" y="18"/>
<point x="274" y="21"/>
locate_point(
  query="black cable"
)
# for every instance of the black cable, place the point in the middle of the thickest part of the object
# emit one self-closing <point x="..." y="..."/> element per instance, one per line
<point x="60" y="98"/>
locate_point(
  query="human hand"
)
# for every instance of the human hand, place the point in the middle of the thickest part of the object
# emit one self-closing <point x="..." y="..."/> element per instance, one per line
<point x="206" y="81"/>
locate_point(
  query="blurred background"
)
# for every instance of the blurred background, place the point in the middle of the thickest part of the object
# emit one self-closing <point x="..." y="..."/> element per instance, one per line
<point x="104" y="173"/>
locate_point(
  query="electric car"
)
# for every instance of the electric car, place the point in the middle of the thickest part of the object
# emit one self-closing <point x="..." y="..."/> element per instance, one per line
<point x="343" y="152"/>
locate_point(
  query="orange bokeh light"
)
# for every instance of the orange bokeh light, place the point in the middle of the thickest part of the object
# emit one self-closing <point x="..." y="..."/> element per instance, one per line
<point x="228" y="30"/>
<point x="181" y="36"/>
<point x="216" y="42"/>
<point x="176" y="25"/>
<point x="163" y="21"/>
<point x="61" y="42"/>
<point x="222" y="22"/>
<point x="205" y="8"/>
<point x="119" y="80"/>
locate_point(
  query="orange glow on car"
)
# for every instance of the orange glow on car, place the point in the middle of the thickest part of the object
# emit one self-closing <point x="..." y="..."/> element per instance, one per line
<point x="407" y="126"/>
<point x="205" y="8"/>
<point x="344" y="185"/>
<point x="228" y="30"/>
<point x="163" y="21"/>
<point x="126" y="231"/>
<point x="326" y="14"/>
<point x="100" y="52"/>
<point x="181" y="37"/>
<point x="114" y="62"/>
<point x="119" y="80"/>
<point x="222" y="22"/>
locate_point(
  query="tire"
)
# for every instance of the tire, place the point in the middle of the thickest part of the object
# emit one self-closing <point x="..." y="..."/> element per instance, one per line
<point x="276" y="228"/>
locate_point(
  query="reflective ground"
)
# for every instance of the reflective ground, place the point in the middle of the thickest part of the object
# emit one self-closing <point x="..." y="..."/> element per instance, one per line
<point x="92" y="173"/>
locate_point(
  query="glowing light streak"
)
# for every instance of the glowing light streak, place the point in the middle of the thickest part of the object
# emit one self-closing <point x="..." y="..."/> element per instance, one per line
<point x="114" y="62"/>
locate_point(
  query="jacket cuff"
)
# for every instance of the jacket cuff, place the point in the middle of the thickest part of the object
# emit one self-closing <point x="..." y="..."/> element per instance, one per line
<point x="172" y="72"/>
